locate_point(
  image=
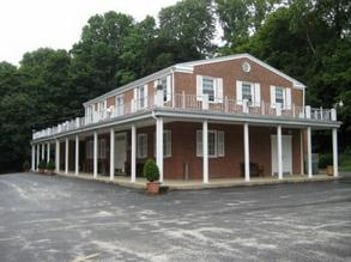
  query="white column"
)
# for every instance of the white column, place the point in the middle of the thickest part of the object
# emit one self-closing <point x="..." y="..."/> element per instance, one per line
<point x="48" y="152"/>
<point x="77" y="156"/>
<point x="42" y="151"/>
<point x="205" y="150"/>
<point x="57" y="156"/>
<point x="159" y="146"/>
<point x="112" y="154"/>
<point x="133" y="155"/>
<point x="309" y="152"/>
<point x="95" y="157"/>
<point x="38" y="156"/>
<point x="33" y="157"/>
<point x="66" y="155"/>
<point x="301" y="153"/>
<point x="280" y="152"/>
<point x="246" y="152"/>
<point x="335" y="152"/>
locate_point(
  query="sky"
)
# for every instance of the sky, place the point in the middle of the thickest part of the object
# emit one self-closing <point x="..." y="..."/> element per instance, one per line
<point x="26" y="25"/>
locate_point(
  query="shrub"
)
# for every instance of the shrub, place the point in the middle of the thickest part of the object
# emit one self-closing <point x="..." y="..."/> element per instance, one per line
<point x="325" y="160"/>
<point x="150" y="170"/>
<point x="26" y="165"/>
<point x="42" y="164"/>
<point x="50" y="165"/>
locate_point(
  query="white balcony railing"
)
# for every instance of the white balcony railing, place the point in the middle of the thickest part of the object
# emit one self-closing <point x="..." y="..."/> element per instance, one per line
<point x="192" y="103"/>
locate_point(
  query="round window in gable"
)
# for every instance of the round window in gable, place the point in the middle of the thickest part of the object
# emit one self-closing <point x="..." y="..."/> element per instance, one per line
<point x="246" y="67"/>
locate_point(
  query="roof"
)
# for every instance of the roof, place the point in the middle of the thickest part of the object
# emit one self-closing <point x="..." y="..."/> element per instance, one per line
<point x="188" y="67"/>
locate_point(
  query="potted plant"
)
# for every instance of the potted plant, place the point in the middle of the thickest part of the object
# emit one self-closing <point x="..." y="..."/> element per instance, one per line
<point x="152" y="174"/>
<point x="50" y="167"/>
<point x="26" y="166"/>
<point x="42" y="166"/>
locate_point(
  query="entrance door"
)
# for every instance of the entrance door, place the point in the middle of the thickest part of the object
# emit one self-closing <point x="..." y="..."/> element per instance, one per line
<point x="120" y="151"/>
<point x="287" y="154"/>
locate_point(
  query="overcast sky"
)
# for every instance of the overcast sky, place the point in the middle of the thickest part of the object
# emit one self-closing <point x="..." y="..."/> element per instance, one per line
<point x="26" y="25"/>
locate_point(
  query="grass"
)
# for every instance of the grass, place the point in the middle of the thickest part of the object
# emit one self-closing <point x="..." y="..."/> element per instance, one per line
<point x="345" y="162"/>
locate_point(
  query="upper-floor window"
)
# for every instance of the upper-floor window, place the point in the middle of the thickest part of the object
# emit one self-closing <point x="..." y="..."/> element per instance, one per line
<point x="210" y="86"/>
<point x="119" y="105"/>
<point x="281" y="96"/>
<point x="248" y="91"/>
<point x="215" y="143"/>
<point x="140" y="96"/>
<point x="165" y="82"/>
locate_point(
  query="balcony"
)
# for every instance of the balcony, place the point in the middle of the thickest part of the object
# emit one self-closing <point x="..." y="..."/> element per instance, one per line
<point x="192" y="103"/>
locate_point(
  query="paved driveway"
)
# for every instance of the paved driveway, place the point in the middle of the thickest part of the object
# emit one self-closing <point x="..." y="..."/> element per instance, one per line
<point x="63" y="219"/>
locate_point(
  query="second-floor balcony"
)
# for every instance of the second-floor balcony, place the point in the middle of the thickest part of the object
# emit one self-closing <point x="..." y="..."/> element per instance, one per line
<point x="193" y="103"/>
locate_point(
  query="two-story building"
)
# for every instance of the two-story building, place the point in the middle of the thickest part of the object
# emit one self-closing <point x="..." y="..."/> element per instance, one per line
<point x="224" y="117"/>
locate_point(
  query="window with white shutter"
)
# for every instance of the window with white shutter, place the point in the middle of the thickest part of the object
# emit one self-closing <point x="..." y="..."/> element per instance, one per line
<point x="282" y="96"/>
<point x="142" y="146"/>
<point x="215" y="143"/>
<point x="248" y="91"/>
<point x="213" y="87"/>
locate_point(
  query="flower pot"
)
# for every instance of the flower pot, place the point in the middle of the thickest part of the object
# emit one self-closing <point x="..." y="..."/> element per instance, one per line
<point x="49" y="172"/>
<point x="41" y="171"/>
<point x="330" y="170"/>
<point x="153" y="187"/>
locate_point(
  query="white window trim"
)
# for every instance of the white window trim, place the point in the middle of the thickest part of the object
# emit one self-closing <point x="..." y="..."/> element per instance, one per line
<point x="141" y="155"/>
<point x="119" y="108"/>
<point x="217" y="88"/>
<point x="218" y="153"/>
<point x="167" y="143"/>
<point x="287" y="100"/>
<point x="255" y="91"/>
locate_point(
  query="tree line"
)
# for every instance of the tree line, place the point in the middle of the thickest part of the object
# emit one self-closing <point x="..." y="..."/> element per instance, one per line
<point x="307" y="39"/>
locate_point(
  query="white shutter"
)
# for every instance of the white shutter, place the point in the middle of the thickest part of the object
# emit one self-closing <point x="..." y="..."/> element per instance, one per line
<point x="155" y="91"/>
<point x="199" y="88"/>
<point x="219" y="89"/>
<point x="168" y="142"/>
<point x="272" y="96"/>
<point x="220" y="140"/>
<point x="169" y="85"/>
<point x="198" y="142"/>
<point x="239" y="96"/>
<point x="287" y="101"/>
<point x="257" y="95"/>
<point x="146" y="96"/>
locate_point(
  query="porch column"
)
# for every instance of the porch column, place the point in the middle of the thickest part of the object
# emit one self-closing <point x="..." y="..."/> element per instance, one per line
<point x="205" y="150"/>
<point x="309" y="152"/>
<point x="112" y="154"/>
<point x="335" y="152"/>
<point x="246" y="152"/>
<point x="48" y="152"/>
<point x="95" y="156"/>
<point x="133" y="155"/>
<point x="159" y="146"/>
<point x="77" y="156"/>
<point x="66" y="155"/>
<point x="33" y="157"/>
<point x="38" y="156"/>
<point x="301" y="153"/>
<point x="42" y="152"/>
<point x="280" y="152"/>
<point x="57" y="156"/>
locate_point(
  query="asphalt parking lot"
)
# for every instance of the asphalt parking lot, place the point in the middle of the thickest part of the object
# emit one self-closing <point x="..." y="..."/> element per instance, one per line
<point x="65" y="219"/>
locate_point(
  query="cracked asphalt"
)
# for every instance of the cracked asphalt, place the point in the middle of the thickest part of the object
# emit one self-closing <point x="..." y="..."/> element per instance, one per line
<point x="65" y="219"/>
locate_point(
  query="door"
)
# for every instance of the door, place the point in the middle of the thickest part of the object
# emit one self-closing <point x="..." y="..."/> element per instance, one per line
<point x="120" y="151"/>
<point x="287" y="154"/>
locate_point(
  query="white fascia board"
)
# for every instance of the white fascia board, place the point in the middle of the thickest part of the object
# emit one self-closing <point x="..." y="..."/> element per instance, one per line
<point x="131" y="85"/>
<point x="296" y="84"/>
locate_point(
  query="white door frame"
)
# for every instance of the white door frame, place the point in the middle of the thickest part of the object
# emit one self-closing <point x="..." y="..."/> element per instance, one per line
<point x="287" y="154"/>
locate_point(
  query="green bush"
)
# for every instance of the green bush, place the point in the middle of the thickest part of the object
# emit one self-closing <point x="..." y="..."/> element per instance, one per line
<point x="26" y="165"/>
<point x="50" y="165"/>
<point x="42" y="164"/>
<point x="150" y="170"/>
<point x="325" y="160"/>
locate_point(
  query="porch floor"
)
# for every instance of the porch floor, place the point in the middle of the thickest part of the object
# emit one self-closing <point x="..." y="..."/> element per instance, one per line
<point x="140" y="183"/>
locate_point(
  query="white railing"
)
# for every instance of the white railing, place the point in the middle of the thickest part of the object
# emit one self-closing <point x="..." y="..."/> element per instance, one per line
<point x="188" y="102"/>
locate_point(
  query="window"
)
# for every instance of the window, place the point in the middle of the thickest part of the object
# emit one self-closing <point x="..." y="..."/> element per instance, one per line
<point x="246" y="92"/>
<point x="119" y="105"/>
<point x="89" y="149"/>
<point x="101" y="109"/>
<point x="208" y="88"/>
<point x="215" y="143"/>
<point x="102" y="148"/>
<point x="164" y="88"/>
<point x="167" y="143"/>
<point x="140" y="97"/>
<point x="282" y="96"/>
<point x="213" y="87"/>
<point x="142" y="146"/>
